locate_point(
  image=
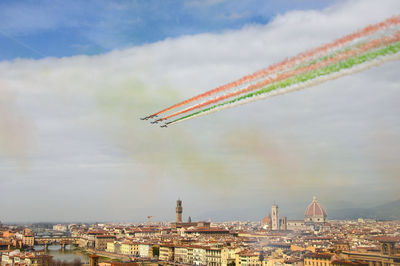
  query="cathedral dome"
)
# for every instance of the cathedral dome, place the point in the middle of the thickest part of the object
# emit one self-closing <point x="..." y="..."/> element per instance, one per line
<point x="267" y="219"/>
<point x="315" y="212"/>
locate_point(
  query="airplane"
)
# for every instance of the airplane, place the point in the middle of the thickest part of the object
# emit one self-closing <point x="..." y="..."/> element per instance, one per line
<point x="164" y="125"/>
<point x="148" y="117"/>
<point x="154" y="122"/>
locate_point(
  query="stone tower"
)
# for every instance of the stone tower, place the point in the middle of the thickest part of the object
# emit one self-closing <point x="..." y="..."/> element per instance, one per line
<point x="179" y="211"/>
<point x="284" y="223"/>
<point x="275" y="217"/>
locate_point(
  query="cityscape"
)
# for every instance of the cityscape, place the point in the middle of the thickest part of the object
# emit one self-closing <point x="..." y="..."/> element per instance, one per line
<point x="273" y="241"/>
<point x="199" y="132"/>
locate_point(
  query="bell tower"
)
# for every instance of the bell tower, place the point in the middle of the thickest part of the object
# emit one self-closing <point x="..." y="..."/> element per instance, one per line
<point x="275" y="217"/>
<point x="179" y="211"/>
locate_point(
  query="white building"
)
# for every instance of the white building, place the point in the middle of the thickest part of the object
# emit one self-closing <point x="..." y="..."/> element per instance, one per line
<point x="145" y="250"/>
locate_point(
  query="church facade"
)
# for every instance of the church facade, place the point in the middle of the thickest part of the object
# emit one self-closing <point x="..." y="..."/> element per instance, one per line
<point x="315" y="218"/>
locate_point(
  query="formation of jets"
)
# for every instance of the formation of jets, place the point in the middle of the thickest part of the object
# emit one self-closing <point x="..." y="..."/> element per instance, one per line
<point x="148" y="117"/>
<point x="155" y="121"/>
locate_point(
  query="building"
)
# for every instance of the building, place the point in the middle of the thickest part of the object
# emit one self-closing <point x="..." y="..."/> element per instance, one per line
<point x="348" y="263"/>
<point x="318" y="259"/>
<point x="315" y="218"/>
<point x="114" y="247"/>
<point x="101" y="241"/>
<point x="266" y="222"/>
<point x="387" y="255"/>
<point x="28" y="239"/>
<point x="247" y="258"/>
<point x="126" y="247"/>
<point x="181" y="254"/>
<point x="145" y="250"/>
<point x="179" y="210"/>
<point x="60" y="227"/>
<point x="283" y="223"/>
<point x="228" y="255"/>
<point x="24" y="258"/>
<point x="315" y="213"/>
<point x="296" y="225"/>
<point x="213" y="256"/>
<point x="110" y="247"/>
<point x="275" y="217"/>
<point x="207" y="231"/>
<point x="199" y="255"/>
<point x="166" y="252"/>
<point x="189" y="257"/>
<point x="91" y="238"/>
<point x="179" y="224"/>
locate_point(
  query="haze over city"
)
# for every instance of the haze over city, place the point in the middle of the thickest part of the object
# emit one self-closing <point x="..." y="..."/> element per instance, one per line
<point x="74" y="81"/>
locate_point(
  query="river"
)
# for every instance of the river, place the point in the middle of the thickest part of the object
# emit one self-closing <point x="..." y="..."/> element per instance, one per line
<point x="66" y="255"/>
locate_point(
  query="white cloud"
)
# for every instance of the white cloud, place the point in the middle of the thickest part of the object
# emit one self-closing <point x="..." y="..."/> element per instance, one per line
<point x="86" y="113"/>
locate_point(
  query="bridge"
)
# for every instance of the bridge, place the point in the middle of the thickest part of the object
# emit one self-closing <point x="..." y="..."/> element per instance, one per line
<point x="62" y="240"/>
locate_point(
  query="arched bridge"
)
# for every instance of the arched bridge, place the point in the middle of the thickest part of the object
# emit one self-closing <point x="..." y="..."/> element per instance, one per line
<point x="63" y="241"/>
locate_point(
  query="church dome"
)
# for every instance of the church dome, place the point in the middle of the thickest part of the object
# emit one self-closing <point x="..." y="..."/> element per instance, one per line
<point x="315" y="212"/>
<point x="266" y="220"/>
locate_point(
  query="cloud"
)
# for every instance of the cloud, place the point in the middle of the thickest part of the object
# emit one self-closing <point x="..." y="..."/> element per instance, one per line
<point x="86" y="112"/>
<point x="16" y="134"/>
<point x="54" y="28"/>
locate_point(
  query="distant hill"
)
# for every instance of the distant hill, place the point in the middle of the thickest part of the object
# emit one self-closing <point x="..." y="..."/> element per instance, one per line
<point x="387" y="211"/>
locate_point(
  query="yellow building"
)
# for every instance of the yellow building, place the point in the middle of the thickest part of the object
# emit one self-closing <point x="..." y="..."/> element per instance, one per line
<point x="181" y="254"/>
<point x="135" y="249"/>
<point x="166" y="252"/>
<point x="189" y="257"/>
<point x="28" y="240"/>
<point x="228" y="255"/>
<point x="130" y="248"/>
<point x="318" y="259"/>
<point x="248" y="257"/>
<point x="110" y="247"/>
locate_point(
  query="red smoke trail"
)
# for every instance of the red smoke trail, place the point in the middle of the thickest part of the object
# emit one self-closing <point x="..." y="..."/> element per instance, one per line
<point x="363" y="48"/>
<point x="290" y="62"/>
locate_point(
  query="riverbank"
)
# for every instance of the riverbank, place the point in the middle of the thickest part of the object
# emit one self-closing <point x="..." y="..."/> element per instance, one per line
<point x="108" y="255"/>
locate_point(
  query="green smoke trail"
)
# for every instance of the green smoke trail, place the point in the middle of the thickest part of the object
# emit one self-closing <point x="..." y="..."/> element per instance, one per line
<point x="346" y="64"/>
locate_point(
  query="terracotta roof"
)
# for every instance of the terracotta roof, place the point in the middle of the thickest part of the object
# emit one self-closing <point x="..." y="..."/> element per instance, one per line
<point x="315" y="210"/>
<point x="96" y="232"/>
<point x="266" y="219"/>
<point x="105" y="236"/>
<point x="247" y="253"/>
<point x="387" y="239"/>
<point x="207" y="229"/>
<point x="319" y="255"/>
<point x="349" y="263"/>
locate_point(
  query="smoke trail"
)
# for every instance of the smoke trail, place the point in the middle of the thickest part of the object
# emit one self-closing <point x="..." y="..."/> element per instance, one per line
<point x="348" y="67"/>
<point x="346" y="53"/>
<point x="291" y="62"/>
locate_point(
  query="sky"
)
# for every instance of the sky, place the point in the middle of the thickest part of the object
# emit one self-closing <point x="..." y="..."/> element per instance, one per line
<point x="76" y="76"/>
